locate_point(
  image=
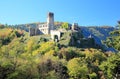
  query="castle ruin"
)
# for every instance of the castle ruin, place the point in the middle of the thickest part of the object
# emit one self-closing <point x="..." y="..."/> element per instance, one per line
<point x="48" y="28"/>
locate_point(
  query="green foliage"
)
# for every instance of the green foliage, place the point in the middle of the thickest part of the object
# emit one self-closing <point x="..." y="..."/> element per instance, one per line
<point x="93" y="55"/>
<point x="65" y="25"/>
<point x="113" y="41"/>
<point x="8" y="34"/>
<point x="69" y="53"/>
<point x="116" y="33"/>
<point x="109" y="67"/>
<point x="31" y="45"/>
<point x="48" y="65"/>
<point x="93" y="75"/>
<point x="77" y="68"/>
<point x="43" y="39"/>
<point x="23" y="57"/>
<point x="65" y="41"/>
<point x="45" y="47"/>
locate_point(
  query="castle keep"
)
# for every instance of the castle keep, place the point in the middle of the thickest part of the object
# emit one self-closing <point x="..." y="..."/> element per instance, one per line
<point x="47" y="27"/>
<point x="44" y="28"/>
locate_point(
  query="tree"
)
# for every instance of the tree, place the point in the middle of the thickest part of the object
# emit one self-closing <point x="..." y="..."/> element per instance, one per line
<point x="55" y="67"/>
<point x="44" y="48"/>
<point x="68" y="53"/>
<point x="109" y="67"/>
<point x="77" y="68"/>
<point x="31" y="45"/>
<point x="65" y="25"/>
<point x="114" y="39"/>
<point x="9" y="55"/>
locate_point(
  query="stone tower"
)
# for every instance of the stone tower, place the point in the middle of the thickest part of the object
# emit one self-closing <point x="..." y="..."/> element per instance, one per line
<point x="50" y="21"/>
<point x="75" y="26"/>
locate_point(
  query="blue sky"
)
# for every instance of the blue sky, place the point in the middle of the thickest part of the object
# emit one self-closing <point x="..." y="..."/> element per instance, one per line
<point x="84" y="12"/>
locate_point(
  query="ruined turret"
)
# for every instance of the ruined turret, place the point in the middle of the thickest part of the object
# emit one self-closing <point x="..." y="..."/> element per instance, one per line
<point x="75" y="26"/>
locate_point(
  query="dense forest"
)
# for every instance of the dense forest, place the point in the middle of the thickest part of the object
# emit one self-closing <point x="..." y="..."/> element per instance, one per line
<point x="37" y="57"/>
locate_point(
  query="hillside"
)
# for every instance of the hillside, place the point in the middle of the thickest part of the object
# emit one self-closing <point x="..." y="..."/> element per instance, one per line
<point x="99" y="33"/>
<point x="38" y="57"/>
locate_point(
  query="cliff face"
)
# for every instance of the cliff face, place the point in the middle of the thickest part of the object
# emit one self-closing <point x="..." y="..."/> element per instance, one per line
<point x="76" y="39"/>
<point x="99" y="34"/>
